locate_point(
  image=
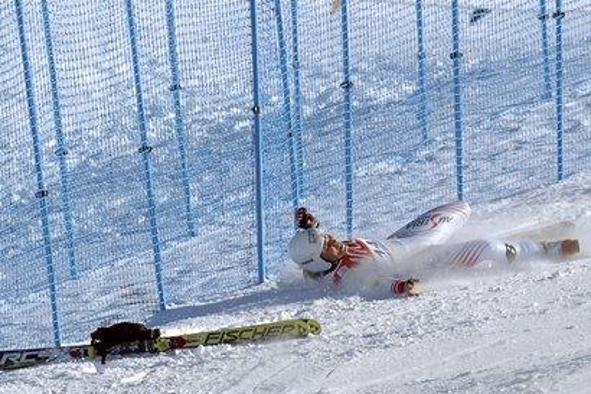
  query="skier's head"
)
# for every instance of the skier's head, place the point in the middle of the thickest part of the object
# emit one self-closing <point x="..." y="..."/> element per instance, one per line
<point x="315" y="251"/>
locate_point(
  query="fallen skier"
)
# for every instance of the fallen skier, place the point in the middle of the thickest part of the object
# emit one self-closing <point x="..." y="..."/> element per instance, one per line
<point x="325" y="259"/>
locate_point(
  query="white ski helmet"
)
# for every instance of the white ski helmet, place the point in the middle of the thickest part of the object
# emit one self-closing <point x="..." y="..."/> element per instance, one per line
<point x="305" y="249"/>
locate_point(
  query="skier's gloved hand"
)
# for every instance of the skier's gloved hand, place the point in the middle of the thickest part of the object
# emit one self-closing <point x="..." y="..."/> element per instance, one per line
<point x="305" y="219"/>
<point x="411" y="287"/>
<point x="408" y="287"/>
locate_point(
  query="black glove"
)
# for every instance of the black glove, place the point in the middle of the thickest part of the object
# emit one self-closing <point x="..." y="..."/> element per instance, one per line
<point x="305" y="219"/>
<point x="411" y="287"/>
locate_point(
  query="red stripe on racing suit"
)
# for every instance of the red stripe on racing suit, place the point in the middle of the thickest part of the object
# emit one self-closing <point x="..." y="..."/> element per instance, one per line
<point x="359" y="250"/>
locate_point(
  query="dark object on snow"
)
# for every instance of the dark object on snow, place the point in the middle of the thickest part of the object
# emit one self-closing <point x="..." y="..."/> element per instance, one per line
<point x="105" y="338"/>
<point x="478" y="14"/>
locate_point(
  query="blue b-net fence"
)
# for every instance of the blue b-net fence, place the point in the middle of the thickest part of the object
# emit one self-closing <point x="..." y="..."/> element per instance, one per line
<point x="132" y="132"/>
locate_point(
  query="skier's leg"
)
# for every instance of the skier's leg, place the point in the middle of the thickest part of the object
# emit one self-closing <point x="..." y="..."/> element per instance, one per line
<point x="526" y="250"/>
<point x="560" y="250"/>
<point x="469" y="254"/>
<point x="434" y="227"/>
<point x="472" y="253"/>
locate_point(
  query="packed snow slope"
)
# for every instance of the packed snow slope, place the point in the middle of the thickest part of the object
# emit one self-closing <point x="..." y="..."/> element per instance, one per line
<point x="491" y="330"/>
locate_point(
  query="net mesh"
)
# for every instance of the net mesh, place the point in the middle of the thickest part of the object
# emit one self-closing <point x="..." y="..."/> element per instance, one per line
<point x="134" y="178"/>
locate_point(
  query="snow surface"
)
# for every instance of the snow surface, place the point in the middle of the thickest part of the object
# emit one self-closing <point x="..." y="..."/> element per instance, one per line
<point x="523" y="329"/>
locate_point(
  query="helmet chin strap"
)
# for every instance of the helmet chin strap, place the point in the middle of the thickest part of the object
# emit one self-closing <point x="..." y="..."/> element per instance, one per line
<point x="333" y="266"/>
<point x="328" y="261"/>
<point x="328" y="271"/>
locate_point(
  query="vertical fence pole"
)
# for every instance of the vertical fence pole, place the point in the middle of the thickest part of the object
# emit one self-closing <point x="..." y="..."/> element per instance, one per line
<point x="258" y="159"/>
<point x="347" y="118"/>
<point x="61" y="151"/>
<point x="543" y="17"/>
<point x="456" y="56"/>
<point x="175" y="88"/>
<point x="423" y="114"/>
<point x="42" y="192"/>
<point x="297" y="95"/>
<point x="295" y="183"/>
<point x="145" y="151"/>
<point x="559" y="15"/>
